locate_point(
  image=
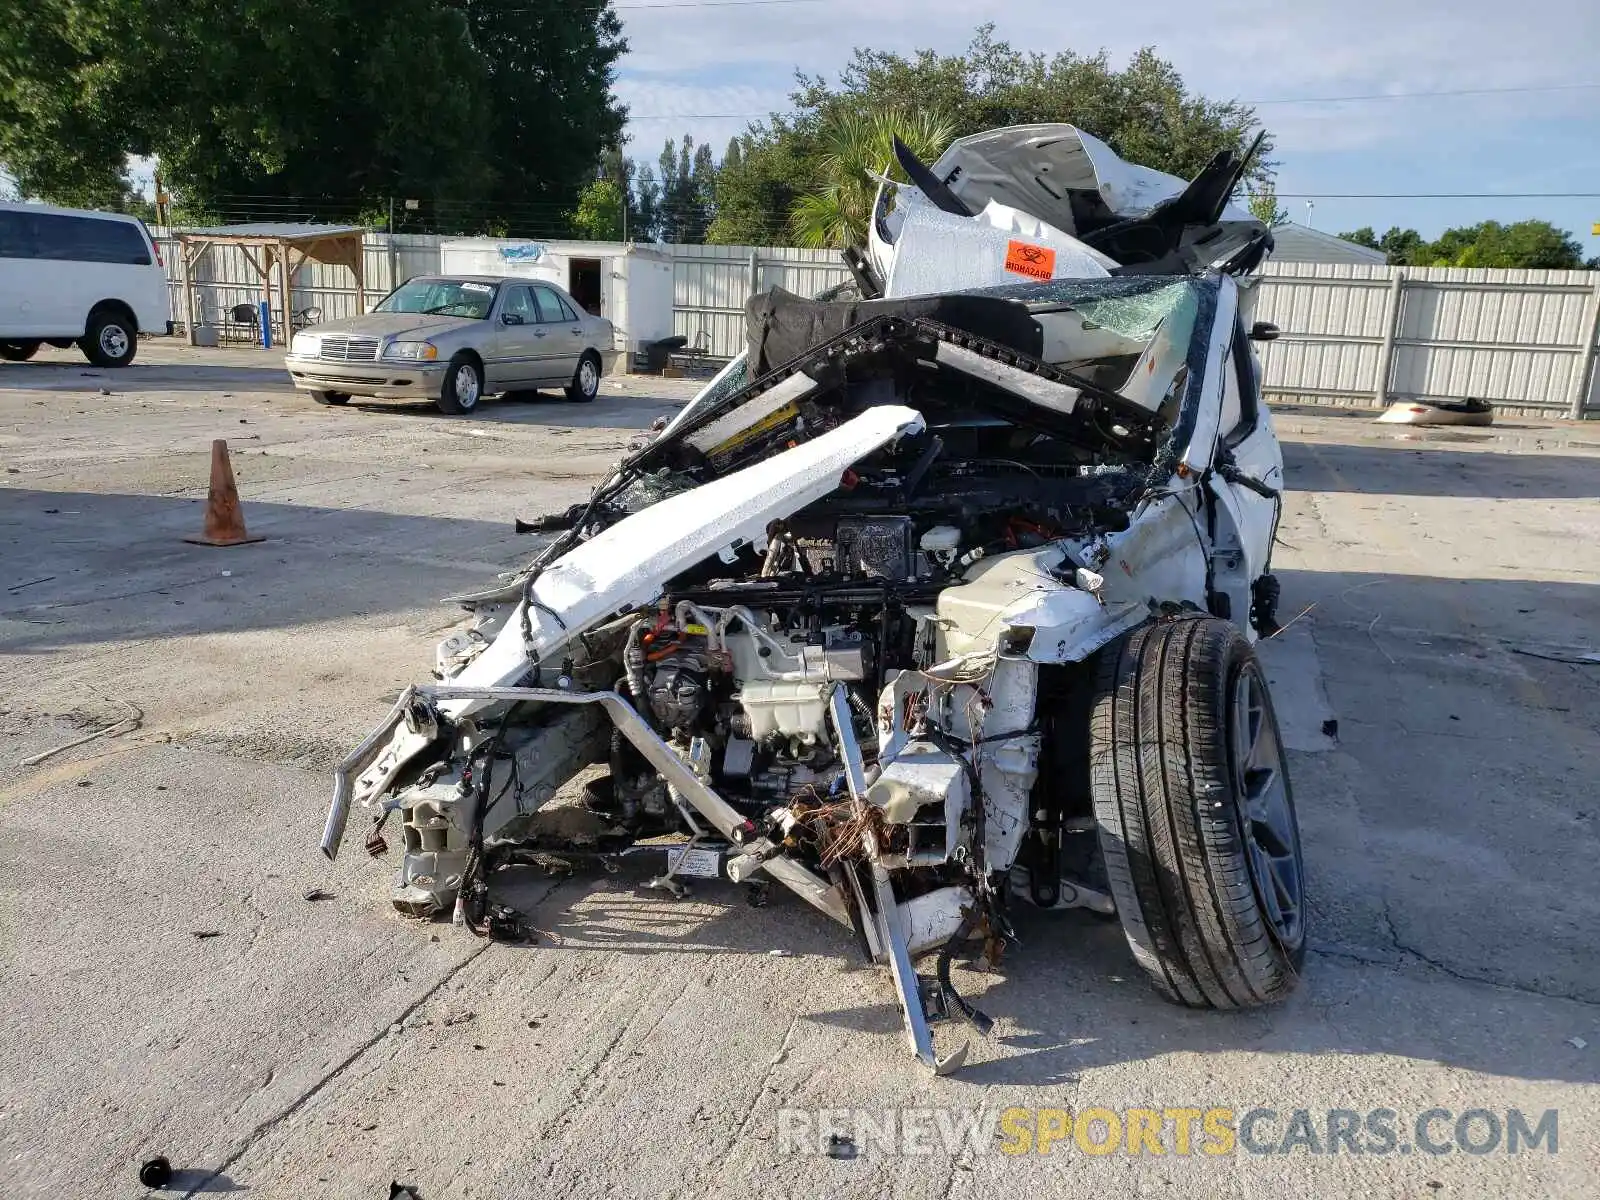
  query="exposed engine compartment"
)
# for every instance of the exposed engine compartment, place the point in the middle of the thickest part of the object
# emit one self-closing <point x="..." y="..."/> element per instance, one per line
<point x="833" y="624"/>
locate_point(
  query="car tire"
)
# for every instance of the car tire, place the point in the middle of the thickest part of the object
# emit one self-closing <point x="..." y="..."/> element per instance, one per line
<point x="331" y="397"/>
<point x="585" y="385"/>
<point x="110" y="339"/>
<point x="18" y="351"/>
<point x="463" y="386"/>
<point x="1196" y="820"/>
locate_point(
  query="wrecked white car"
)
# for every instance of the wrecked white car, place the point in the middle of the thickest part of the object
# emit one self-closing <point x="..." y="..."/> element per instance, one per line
<point x="939" y="600"/>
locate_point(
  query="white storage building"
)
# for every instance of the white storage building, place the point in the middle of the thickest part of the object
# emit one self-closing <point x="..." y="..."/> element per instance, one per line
<point x="628" y="284"/>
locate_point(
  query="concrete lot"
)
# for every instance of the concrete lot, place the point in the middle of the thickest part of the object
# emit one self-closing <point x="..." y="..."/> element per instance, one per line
<point x="646" y="1045"/>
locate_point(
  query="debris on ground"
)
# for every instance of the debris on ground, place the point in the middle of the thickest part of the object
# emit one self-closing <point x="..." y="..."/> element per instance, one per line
<point x="460" y="1018"/>
<point x="841" y="1147"/>
<point x="133" y="720"/>
<point x="1438" y="412"/>
<point x="202" y="934"/>
<point x="316" y="894"/>
<point x="156" y="1172"/>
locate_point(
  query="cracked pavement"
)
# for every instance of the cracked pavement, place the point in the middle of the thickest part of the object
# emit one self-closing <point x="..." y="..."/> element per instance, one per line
<point x="645" y="1045"/>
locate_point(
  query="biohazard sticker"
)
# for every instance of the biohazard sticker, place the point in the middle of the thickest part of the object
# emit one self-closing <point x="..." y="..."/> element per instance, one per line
<point x="1036" y="262"/>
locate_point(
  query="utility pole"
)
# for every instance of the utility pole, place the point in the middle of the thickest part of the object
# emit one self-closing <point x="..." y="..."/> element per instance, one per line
<point x="1311" y="206"/>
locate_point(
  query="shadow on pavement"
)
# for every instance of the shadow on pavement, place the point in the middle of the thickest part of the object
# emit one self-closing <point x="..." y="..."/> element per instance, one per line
<point x="145" y="377"/>
<point x="551" y="407"/>
<point x="1409" y="471"/>
<point x="1068" y="996"/>
<point x="79" y="567"/>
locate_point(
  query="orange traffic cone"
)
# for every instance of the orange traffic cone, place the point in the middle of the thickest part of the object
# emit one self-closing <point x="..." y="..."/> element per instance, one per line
<point x="224" y="521"/>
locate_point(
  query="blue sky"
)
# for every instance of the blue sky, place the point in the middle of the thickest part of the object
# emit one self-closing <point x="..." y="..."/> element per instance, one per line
<point x="741" y="60"/>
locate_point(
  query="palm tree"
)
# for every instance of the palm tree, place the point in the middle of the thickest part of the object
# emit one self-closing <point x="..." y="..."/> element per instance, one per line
<point x="857" y="149"/>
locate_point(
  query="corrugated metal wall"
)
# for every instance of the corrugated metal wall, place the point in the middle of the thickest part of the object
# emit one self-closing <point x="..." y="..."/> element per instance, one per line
<point x="1353" y="334"/>
<point x="1362" y="335"/>
<point x="711" y="283"/>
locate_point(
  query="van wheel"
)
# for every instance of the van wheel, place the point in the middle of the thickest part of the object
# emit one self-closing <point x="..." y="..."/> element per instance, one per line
<point x="463" y="386"/>
<point x="110" y="339"/>
<point x="585" y="383"/>
<point x="1196" y="819"/>
<point x="331" y="397"/>
<point x="18" y="351"/>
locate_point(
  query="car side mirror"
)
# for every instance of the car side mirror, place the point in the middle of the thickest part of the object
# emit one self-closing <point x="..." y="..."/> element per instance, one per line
<point x="1264" y="331"/>
<point x="511" y="318"/>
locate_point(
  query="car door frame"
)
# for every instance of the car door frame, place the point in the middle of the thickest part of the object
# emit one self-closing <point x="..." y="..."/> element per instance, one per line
<point x="517" y="348"/>
<point x="563" y="339"/>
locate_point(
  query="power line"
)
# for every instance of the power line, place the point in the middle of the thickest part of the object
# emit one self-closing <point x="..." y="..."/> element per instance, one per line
<point x="1507" y="91"/>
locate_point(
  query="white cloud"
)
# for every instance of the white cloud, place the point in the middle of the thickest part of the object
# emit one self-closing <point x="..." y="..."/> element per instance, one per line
<point x="726" y="60"/>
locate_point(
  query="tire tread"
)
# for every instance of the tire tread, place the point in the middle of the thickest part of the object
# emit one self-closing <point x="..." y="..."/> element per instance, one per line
<point x="1172" y="842"/>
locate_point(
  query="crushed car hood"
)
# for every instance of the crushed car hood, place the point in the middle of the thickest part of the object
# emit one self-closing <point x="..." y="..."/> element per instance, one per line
<point x="1049" y="202"/>
<point x="1057" y="172"/>
<point x="627" y="564"/>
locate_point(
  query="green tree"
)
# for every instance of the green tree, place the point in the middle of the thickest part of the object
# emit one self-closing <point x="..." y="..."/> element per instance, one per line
<point x="1143" y="110"/>
<point x="779" y="164"/>
<point x="702" y="194"/>
<point x="1404" y="247"/>
<point x="1263" y="205"/>
<point x="644" y="218"/>
<point x="598" y="216"/>
<point x="1527" y="244"/>
<point x="1530" y="244"/>
<point x="312" y="108"/>
<point x="857" y="149"/>
<point x="667" y="209"/>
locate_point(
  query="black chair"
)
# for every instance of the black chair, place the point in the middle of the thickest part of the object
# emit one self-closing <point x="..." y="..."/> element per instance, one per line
<point x="249" y="316"/>
<point x="309" y="315"/>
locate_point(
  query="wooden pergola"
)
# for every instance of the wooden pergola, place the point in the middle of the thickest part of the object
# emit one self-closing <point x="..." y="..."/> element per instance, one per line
<point x="273" y="246"/>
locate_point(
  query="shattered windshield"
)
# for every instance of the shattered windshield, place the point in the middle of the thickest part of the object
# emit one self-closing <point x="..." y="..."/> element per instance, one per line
<point x="1131" y="305"/>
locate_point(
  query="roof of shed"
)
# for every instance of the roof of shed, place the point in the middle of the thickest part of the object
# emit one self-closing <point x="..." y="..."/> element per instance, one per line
<point x="277" y="231"/>
<point x="1301" y="243"/>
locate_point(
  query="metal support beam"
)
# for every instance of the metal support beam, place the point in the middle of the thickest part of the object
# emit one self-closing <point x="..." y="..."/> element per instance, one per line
<point x="1588" y="331"/>
<point x="1392" y="310"/>
<point x="889" y="919"/>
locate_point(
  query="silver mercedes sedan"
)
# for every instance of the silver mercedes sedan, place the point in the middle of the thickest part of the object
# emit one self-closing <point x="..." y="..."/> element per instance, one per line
<point x="453" y="339"/>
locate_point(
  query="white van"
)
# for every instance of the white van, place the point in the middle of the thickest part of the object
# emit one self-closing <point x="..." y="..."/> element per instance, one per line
<point x="71" y="276"/>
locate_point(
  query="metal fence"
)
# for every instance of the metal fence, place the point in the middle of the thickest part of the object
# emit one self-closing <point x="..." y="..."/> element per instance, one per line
<point x="711" y="283"/>
<point x="1353" y="335"/>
